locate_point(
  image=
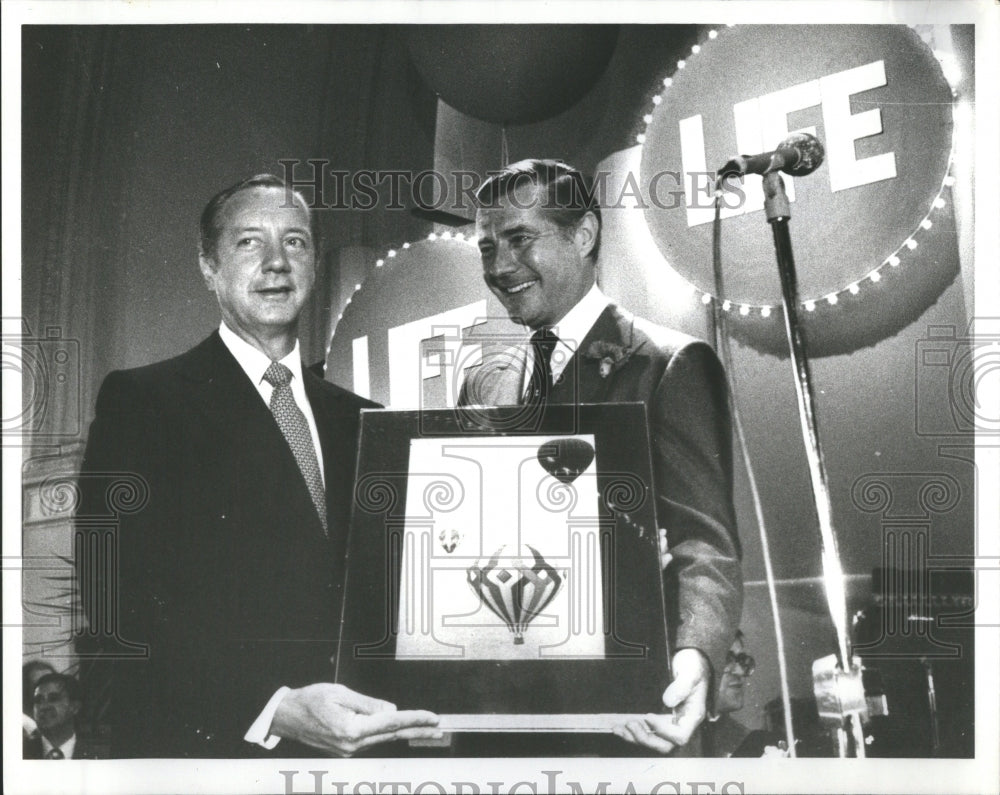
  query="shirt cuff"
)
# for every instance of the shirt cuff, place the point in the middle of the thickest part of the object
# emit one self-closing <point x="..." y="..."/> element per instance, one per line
<point x="260" y="731"/>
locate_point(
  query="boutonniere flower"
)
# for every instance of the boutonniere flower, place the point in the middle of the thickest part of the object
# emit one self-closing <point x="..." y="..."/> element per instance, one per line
<point x="611" y="357"/>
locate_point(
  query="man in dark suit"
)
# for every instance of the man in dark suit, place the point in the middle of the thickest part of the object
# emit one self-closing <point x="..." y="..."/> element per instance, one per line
<point x="55" y="704"/>
<point x="538" y="228"/>
<point x="229" y="562"/>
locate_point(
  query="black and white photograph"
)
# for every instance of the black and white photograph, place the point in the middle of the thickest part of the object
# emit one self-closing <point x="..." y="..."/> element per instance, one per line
<point x="426" y="396"/>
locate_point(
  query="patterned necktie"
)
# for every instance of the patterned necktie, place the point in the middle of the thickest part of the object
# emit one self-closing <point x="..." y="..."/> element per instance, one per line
<point x="55" y="753"/>
<point x="293" y="425"/>
<point x="543" y="342"/>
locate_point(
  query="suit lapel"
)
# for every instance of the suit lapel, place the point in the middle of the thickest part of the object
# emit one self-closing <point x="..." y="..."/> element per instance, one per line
<point x="86" y="750"/>
<point x="222" y="392"/>
<point x="334" y="432"/>
<point x="32" y="747"/>
<point x="224" y="395"/>
<point x="582" y="381"/>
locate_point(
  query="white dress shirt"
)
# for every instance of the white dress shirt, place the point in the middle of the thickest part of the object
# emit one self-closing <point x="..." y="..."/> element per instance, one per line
<point x="570" y="330"/>
<point x="255" y="363"/>
<point x="67" y="747"/>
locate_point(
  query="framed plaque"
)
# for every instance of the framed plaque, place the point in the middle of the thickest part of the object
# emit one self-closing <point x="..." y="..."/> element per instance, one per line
<point x="505" y="574"/>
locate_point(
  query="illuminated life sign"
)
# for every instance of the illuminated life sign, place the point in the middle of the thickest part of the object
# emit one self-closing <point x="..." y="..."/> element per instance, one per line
<point x="877" y="98"/>
<point x="762" y="121"/>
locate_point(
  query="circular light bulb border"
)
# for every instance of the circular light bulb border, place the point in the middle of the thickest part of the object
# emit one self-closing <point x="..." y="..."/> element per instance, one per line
<point x="952" y="75"/>
<point x="390" y="255"/>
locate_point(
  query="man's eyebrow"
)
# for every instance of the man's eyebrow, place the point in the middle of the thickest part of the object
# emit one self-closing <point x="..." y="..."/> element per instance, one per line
<point x="298" y="230"/>
<point x="516" y="230"/>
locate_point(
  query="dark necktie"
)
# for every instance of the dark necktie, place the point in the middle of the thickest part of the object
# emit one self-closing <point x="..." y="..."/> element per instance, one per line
<point x="55" y="753"/>
<point x="543" y="342"/>
<point x="293" y="425"/>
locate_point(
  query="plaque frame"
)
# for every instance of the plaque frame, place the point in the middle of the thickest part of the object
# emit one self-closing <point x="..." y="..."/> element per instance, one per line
<point x="488" y="695"/>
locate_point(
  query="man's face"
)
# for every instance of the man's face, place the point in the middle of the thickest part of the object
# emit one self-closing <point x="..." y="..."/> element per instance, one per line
<point x="734" y="680"/>
<point x="52" y="707"/>
<point x="264" y="265"/>
<point x="537" y="269"/>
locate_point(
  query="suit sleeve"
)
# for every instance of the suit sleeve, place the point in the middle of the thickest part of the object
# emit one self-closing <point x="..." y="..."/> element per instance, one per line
<point x="144" y="561"/>
<point x="116" y="486"/>
<point x="691" y="438"/>
<point x="116" y="535"/>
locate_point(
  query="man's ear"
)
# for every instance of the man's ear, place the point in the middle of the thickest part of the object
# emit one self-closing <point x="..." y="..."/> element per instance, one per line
<point x="585" y="237"/>
<point x="207" y="266"/>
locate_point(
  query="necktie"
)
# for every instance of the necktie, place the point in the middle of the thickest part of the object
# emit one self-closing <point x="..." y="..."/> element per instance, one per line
<point x="55" y="753"/>
<point x="293" y="425"/>
<point x="543" y="342"/>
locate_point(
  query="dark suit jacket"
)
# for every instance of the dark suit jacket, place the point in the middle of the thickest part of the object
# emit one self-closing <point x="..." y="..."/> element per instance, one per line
<point x="31" y="748"/>
<point x="683" y="386"/>
<point x="728" y="737"/>
<point x="221" y="570"/>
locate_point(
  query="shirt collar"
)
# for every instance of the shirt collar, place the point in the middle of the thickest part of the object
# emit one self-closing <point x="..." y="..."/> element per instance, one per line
<point x="580" y="319"/>
<point x="67" y="747"/>
<point x="255" y="362"/>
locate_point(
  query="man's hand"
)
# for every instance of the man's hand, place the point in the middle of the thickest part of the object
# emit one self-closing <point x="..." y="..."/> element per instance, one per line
<point x="779" y="750"/>
<point x="687" y="695"/>
<point x="341" y="722"/>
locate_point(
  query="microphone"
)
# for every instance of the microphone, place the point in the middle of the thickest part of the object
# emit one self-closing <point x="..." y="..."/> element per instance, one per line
<point x="799" y="154"/>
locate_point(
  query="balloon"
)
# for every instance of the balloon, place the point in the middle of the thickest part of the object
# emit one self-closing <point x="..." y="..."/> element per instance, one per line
<point x="515" y="593"/>
<point x="511" y="74"/>
<point x="449" y="539"/>
<point x="565" y="459"/>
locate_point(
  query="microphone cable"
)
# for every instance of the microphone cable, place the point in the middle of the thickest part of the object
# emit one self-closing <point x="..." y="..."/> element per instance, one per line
<point x="717" y="320"/>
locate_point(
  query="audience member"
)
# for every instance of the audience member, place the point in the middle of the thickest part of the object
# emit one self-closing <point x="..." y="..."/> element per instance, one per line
<point x="56" y="701"/>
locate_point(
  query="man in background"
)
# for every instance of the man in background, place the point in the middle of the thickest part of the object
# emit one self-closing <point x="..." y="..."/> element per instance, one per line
<point x="723" y="734"/>
<point x="538" y="227"/>
<point x="228" y="566"/>
<point x="31" y="672"/>
<point x="55" y="704"/>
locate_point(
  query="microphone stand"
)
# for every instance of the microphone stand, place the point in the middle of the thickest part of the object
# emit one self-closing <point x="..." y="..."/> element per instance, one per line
<point x="837" y="681"/>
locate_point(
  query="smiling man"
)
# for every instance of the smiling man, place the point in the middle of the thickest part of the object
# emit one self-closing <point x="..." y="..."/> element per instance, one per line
<point x="229" y="565"/>
<point x="55" y="705"/>
<point x="539" y="229"/>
